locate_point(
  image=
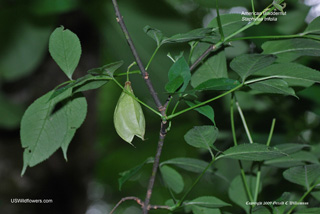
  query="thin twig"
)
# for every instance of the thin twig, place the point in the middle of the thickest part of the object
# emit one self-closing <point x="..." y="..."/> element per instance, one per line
<point x="138" y="200"/>
<point x="161" y="108"/>
<point x="155" y="167"/>
<point x="202" y="57"/>
<point x="145" y="75"/>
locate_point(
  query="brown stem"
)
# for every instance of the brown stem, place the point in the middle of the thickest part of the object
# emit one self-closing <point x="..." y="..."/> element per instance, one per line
<point x="202" y="57"/>
<point x="144" y="73"/>
<point x="155" y="167"/>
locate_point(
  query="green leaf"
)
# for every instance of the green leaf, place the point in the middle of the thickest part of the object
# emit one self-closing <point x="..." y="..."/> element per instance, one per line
<point x="125" y="176"/>
<point x="247" y="64"/>
<point x="155" y="34"/>
<point x="49" y="124"/>
<point x="290" y="71"/>
<point x="172" y="178"/>
<point x="65" y="49"/>
<point x="273" y="86"/>
<point x="207" y="201"/>
<point x="108" y="69"/>
<point x="222" y="84"/>
<point x="76" y="111"/>
<point x="10" y="113"/>
<point x="202" y="136"/>
<point x="189" y="164"/>
<point x="260" y="210"/>
<point x="179" y="74"/>
<point x="313" y="27"/>
<point x="237" y="192"/>
<point x="290" y="148"/>
<point x="252" y="152"/>
<point x="204" y="210"/>
<point x="213" y="67"/>
<point x="295" y="159"/>
<point x="193" y="35"/>
<point x="128" y="116"/>
<point x="291" y="49"/>
<point x="204" y="110"/>
<point x="316" y="195"/>
<point x="309" y="211"/>
<point x="303" y="175"/>
<point x="278" y="6"/>
<point x="24" y="51"/>
<point x="85" y="83"/>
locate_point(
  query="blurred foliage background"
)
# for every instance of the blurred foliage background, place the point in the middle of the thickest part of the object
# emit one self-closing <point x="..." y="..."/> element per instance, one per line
<point x="88" y="182"/>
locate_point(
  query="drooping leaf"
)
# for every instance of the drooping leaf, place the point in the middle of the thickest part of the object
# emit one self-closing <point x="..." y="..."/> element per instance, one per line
<point x="179" y="74"/>
<point x="313" y="27"/>
<point x="247" y="64"/>
<point x="213" y="67"/>
<point x="76" y="111"/>
<point x="295" y="159"/>
<point x="252" y="152"/>
<point x="108" y="69"/>
<point x="207" y="201"/>
<point x="217" y="84"/>
<point x="291" y="49"/>
<point x="202" y="136"/>
<point x="204" y="110"/>
<point x="303" y="175"/>
<point x="237" y="192"/>
<point x="189" y="164"/>
<point x="49" y="124"/>
<point x="128" y="116"/>
<point x="290" y="71"/>
<point x="155" y="34"/>
<point x="125" y="176"/>
<point x="65" y="49"/>
<point x="273" y="86"/>
<point x="172" y="178"/>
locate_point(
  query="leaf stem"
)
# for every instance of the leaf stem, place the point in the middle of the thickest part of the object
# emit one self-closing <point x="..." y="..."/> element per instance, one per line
<point x="203" y="103"/>
<point x="153" y="55"/>
<point x="194" y="184"/>
<point x="232" y="121"/>
<point x="219" y="22"/>
<point x="303" y="197"/>
<point x="253" y="10"/>
<point x="124" y="74"/>
<point x="244" y="122"/>
<point x="271" y="131"/>
<point x="244" y="180"/>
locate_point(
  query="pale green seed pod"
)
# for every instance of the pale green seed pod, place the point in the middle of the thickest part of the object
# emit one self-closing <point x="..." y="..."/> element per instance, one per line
<point x="128" y="116"/>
